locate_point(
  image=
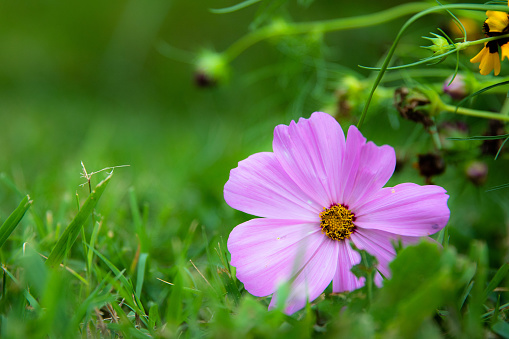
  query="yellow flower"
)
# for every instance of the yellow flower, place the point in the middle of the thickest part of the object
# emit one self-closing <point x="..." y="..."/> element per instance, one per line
<point x="497" y="21"/>
<point x="497" y="24"/>
<point x="489" y="58"/>
<point x="505" y="51"/>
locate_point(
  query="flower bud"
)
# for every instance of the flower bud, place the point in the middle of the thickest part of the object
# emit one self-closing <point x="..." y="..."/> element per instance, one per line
<point x="477" y="172"/>
<point x="348" y="95"/>
<point x="413" y="105"/>
<point x="457" y="89"/>
<point x="211" y="68"/>
<point x="430" y="165"/>
<point x="440" y="44"/>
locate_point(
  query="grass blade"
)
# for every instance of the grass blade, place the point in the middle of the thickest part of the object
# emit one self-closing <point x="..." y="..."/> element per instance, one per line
<point x="71" y="232"/>
<point x="138" y="221"/>
<point x="498" y="187"/>
<point x="13" y="220"/>
<point x="481" y="137"/>
<point x="141" y="273"/>
<point x="126" y="284"/>
<point x="497" y="279"/>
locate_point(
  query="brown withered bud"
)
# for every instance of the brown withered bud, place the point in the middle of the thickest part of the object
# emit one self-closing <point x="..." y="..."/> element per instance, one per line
<point x="344" y="106"/>
<point x="430" y="165"/>
<point x="409" y="104"/>
<point x="201" y="79"/>
<point x="491" y="147"/>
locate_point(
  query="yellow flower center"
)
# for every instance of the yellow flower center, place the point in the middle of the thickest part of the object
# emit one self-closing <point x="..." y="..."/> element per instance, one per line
<point x="337" y="222"/>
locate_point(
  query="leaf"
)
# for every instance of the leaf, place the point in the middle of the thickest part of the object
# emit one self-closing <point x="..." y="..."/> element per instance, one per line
<point x="141" y="273"/>
<point x="481" y="137"/>
<point x="480" y="91"/>
<point x="138" y="221"/>
<point x="498" y="187"/>
<point x="501" y="328"/>
<point x="126" y="284"/>
<point x="234" y="8"/>
<point x="153" y="316"/>
<point x="423" y="279"/>
<point x="67" y="239"/>
<point x="13" y="220"/>
<point x="500" y="149"/>
<point x="436" y="58"/>
<point x="499" y="276"/>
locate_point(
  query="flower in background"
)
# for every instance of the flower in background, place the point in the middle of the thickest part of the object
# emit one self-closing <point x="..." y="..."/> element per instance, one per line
<point x="457" y="89"/>
<point x="317" y="193"/>
<point x="477" y="172"/>
<point x="497" y="24"/>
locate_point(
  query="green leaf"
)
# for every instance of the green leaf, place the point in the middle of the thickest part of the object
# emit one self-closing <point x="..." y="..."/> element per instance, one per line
<point x="138" y="221"/>
<point x="424" y="277"/>
<point x="234" y="8"/>
<point x="13" y="220"/>
<point x="126" y="284"/>
<point x="499" y="276"/>
<point x="501" y="328"/>
<point x="141" y="273"/>
<point x="230" y="286"/>
<point x="99" y="297"/>
<point x="481" y="137"/>
<point x="153" y="316"/>
<point x="498" y="187"/>
<point x="35" y="273"/>
<point x="67" y="239"/>
<point x="479" y="92"/>
<point x="500" y="148"/>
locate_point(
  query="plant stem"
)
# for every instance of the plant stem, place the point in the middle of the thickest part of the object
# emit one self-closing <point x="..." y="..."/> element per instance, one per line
<point x="322" y="26"/>
<point x="475" y="113"/>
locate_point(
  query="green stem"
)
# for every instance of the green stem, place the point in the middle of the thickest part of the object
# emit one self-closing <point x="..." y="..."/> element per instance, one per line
<point x="400" y="34"/>
<point x="505" y="107"/>
<point x="475" y="113"/>
<point x="322" y="26"/>
<point x="435" y="137"/>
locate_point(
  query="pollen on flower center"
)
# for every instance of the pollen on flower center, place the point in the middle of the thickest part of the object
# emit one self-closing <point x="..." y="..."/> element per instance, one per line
<point x="337" y="222"/>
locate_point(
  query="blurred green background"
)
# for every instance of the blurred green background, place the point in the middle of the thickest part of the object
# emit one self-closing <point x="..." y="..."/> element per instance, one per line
<point x="113" y="83"/>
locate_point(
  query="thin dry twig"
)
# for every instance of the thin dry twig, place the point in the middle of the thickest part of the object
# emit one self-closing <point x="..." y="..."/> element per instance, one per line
<point x="201" y="274"/>
<point x="88" y="176"/>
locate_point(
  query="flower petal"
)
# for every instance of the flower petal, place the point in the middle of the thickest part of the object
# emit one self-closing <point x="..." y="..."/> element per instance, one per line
<point x="366" y="168"/>
<point x="260" y="186"/>
<point x="381" y="245"/>
<point x="480" y="56"/>
<point x="267" y="251"/>
<point x="497" y="21"/>
<point x="313" y="278"/>
<point x="405" y="209"/>
<point x="505" y="51"/>
<point x="344" y="279"/>
<point x="310" y="151"/>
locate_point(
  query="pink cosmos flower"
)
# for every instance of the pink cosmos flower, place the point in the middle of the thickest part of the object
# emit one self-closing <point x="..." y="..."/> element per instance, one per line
<point x="315" y="194"/>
